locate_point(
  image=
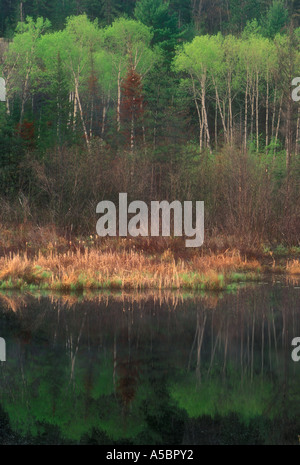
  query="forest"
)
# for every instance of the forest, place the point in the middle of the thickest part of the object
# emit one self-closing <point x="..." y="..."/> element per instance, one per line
<point x="149" y="335"/>
<point x="186" y="100"/>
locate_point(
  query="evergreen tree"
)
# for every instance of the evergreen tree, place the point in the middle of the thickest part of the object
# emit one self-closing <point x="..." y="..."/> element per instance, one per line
<point x="182" y="9"/>
<point x="155" y="14"/>
<point x="277" y="18"/>
<point x="132" y="107"/>
<point x="7" y="17"/>
<point x="242" y="11"/>
<point x="295" y="9"/>
<point x="57" y="109"/>
<point x="103" y="10"/>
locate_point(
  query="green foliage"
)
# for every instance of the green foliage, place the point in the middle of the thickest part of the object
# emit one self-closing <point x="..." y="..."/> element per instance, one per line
<point x="65" y="81"/>
<point x="244" y="11"/>
<point x="12" y="151"/>
<point x="155" y="14"/>
<point x="276" y="19"/>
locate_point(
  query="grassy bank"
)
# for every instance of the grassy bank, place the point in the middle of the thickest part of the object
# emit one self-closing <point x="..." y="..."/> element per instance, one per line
<point x="41" y="258"/>
<point x="93" y="269"/>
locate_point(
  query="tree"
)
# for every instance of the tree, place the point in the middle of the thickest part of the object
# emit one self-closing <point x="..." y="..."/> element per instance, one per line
<point x="76" y="44"/>
<point x="104" y="10"/>
<point x="288" y="56"/>
<point x="128" y="42"/>
<point x="276" y="19"/>
<point x="21" y="68"/>
<point x="182" y="10"/>
<point x="240" y="12"/>
<point x="132" y="108"/>
<point x="57" y="106"/>
<point x="155" y="14"/>
<point x="199" y="59"/>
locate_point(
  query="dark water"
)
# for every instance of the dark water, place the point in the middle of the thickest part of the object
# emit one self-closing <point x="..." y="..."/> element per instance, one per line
<point x="162" y="370"/>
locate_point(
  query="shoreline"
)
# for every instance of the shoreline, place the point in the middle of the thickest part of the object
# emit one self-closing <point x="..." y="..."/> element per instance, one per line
<point x="134" y="270"/>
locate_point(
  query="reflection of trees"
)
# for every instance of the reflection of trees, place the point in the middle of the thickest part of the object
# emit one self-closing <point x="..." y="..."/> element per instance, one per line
<point x="252" y="333"/>
<point x="257" y="330"/>
<point x="139" y="362"/>
<point x="126" y="370"/>
<point x="74" y="349"/>
<point x="198" y="341"/>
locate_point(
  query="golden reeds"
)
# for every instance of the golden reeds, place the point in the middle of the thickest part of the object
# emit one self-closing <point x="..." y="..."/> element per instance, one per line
<point x="293" y="267"/>
<point x="126" y="269"/>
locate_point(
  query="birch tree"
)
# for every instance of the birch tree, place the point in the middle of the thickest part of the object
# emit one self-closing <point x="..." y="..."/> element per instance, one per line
<point x="128" y="42"/>
<point x="21" y="68"/>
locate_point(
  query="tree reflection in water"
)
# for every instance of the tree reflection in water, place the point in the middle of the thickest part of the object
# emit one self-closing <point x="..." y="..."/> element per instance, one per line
<point x="151" y="369"/>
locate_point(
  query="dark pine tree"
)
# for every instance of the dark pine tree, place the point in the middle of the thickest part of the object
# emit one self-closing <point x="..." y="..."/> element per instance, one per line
<point x="155" y="14"/>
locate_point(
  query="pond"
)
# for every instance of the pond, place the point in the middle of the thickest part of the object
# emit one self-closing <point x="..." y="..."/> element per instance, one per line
<point x="151" y="368"/>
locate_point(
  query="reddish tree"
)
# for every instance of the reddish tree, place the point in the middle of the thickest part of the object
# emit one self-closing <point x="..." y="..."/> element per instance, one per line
<point x="132" y="106"/>
<point x="26" y="132"/>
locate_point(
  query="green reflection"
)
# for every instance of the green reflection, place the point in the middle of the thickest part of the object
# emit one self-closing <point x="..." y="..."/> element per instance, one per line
<point x="203" y="370"/>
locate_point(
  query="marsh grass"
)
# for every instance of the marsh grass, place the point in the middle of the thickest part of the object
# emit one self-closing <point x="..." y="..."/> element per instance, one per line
<point x="125" y="269"/>
<point x="293" y="267"/>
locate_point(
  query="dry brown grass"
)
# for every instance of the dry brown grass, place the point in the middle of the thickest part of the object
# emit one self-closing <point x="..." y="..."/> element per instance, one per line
<point x="293" y="267"/>
<point x="121" y="270"/>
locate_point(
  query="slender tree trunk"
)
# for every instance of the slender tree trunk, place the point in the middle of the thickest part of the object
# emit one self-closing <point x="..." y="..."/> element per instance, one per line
<point x="201" y="129"/>
<point x="289" y="131"/>
<point x="278" y="122"/>
<point x="7" y="106"/>
<point x="74" y="111"/>
<point x="199" y="115"/>
<point x="70" y="112"/>
<point x="24" y="95"/>
<point x="241" y="125"/>
<point x="220" y="111"/>
<point x="246" y="113"/>
<point x="104" y="110"/>
<point x="91" y="118"/>
<point x="81" y="114"/>
<point x="119" y="100"/>
<point x="257" y="97"/>
<point x="21" y="12"/>
<point x="103" y="119"/>
<point x="216" y="126"/>
<point x="230" y="109"/>
<point x="252" y="110"/>
<point x="267" y="111"/>
<point x="204" y="112"/>
<point x="274" y="113"/>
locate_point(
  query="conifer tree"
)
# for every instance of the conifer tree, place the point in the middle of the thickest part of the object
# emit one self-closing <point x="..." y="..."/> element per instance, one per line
<point x="132" y="107"/>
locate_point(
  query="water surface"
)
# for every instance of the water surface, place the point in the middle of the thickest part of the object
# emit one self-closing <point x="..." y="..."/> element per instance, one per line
<point x="163" y="369"/>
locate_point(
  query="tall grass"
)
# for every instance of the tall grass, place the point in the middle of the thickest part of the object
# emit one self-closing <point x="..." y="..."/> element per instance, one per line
<point x="126" y="269"/>
<point x="293" y="267"/>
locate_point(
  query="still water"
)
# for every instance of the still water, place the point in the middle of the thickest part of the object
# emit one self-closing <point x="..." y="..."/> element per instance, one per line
<point x="162" y="369"/>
